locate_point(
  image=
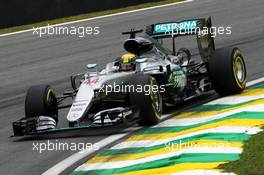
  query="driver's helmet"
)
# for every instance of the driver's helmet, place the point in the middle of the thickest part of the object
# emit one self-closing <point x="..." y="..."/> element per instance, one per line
<point x="127" y="62"/>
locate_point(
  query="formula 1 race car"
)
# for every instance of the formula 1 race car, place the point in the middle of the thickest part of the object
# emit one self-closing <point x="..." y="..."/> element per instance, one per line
<point x="138" y="85"/>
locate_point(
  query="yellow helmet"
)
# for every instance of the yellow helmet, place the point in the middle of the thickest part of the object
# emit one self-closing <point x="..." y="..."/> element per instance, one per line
<point x="127" y="62"/>
<point x="128" y="58"/>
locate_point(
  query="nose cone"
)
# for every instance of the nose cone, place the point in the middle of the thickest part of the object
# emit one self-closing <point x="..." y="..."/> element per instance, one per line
<point x="81" y="103"/>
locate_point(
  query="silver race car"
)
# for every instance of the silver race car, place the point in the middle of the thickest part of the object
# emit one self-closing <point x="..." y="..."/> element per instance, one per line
<point x="139" y="84"/>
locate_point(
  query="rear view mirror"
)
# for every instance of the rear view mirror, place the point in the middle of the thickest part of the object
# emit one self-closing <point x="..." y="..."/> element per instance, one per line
<point x="91" y="66"/>
<point x="141" y="60"/>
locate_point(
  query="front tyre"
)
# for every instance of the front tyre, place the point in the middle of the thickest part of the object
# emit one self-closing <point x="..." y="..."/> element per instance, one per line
<point x="41" y="101"/>
<point x="148" y="100"/>
<point x="227" y="70"/>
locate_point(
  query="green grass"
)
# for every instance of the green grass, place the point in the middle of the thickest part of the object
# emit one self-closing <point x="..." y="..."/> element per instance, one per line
<point x="251" y="161"/>
<point x="85" y="16"/>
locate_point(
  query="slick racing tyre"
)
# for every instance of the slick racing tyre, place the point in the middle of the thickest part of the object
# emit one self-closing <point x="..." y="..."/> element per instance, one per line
<point x="41" y="101"/>
<point x="227" y="70"/>
<point x="148" y="102"/>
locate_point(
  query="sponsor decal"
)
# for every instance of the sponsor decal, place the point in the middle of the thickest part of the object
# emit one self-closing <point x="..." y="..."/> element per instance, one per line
<point x="76" y="109"/>
<point x="91" y="81"/>
<point x="78" y="104"/>
<point x="175" y="26"/>
<point x="178" y="79"/>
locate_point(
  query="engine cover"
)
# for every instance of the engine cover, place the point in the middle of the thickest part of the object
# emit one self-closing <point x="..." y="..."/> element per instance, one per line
<point x="138" y="45"/>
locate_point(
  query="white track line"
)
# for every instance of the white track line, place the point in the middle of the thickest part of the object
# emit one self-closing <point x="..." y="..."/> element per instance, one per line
<point x="259" y="80"/>
<point x="66" y="163"/>
<point x="100" y="17"/>
<point x="234" y="100"/>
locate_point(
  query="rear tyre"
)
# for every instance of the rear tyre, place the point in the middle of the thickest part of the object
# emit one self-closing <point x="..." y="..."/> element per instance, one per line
<point x="148" y="101"/>
<point x="41" y="101"/>
<point x="227" y="70"/>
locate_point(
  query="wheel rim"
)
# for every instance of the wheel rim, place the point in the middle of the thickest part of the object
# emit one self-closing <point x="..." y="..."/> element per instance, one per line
<point x="51" y="101"/>
<point x="155" y="97"/>
<point x="156" y="101"/>
<point x="239" y="69"/>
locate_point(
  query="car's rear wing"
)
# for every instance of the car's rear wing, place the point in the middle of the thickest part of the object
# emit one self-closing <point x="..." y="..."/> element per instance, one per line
<point x="201" y="27"/>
